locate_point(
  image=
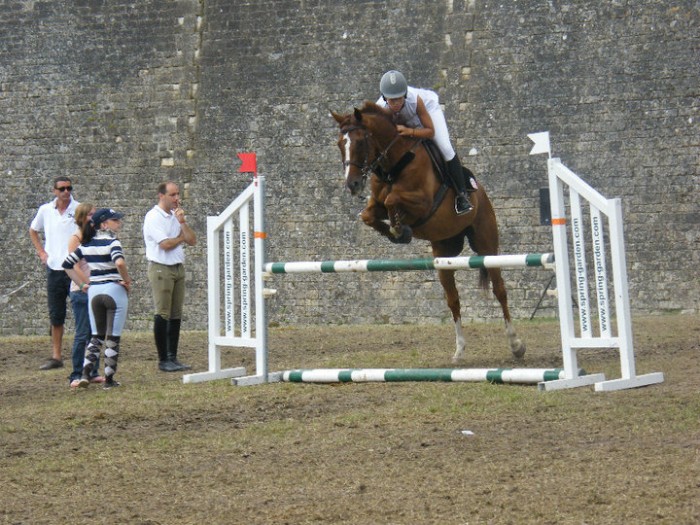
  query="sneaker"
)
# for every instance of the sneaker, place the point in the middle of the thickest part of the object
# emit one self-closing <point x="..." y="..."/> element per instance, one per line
<point x="97" y="379"/>
<point x="51" y="364"/>
<point x="111" y="384"/>
<point x="74" y="384"/>
<point x="83" y="382"/>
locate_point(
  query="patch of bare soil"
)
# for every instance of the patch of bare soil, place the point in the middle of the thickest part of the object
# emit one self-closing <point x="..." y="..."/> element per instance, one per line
<point x="156" y="451"/>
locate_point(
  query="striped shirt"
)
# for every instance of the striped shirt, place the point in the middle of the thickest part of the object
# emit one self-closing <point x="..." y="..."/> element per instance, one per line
<point x="101" y="254"/>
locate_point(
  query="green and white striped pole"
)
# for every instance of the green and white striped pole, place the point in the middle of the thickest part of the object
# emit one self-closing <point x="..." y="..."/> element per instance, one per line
<point x="401" y="265"/>
<point x="395" y="375"/>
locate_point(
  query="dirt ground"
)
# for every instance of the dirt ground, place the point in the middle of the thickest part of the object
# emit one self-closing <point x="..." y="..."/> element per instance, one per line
<point x="156" y="451"/>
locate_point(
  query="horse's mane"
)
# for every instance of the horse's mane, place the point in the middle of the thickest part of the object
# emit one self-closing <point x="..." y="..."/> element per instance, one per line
<point x="369" y="107"/>
<point x="382" y="116"/>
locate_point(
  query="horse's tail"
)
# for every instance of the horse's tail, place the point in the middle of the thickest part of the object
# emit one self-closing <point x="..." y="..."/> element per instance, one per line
<point x="484" y="279"/>
<point x="483" y="272"/>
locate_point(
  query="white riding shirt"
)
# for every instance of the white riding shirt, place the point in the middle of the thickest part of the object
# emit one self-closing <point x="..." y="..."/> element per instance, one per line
<point x="408" y="116"/>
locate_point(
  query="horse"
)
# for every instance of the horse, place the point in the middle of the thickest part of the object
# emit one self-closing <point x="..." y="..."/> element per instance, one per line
<point x="408" y="199"/>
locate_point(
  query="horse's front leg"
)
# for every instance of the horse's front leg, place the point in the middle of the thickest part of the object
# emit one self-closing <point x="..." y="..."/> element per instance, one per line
<point x="376" y="215"/>
<point x="402" y="233"/>
<point x="447" y="280"/>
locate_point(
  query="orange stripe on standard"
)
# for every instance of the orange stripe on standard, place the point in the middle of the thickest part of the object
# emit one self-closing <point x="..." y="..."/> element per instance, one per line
<point x="259" y="235"/>
<point x="558" y="222"/>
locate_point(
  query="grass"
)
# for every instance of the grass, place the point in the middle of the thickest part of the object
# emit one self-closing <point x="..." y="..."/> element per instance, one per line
<point x="159" y="451"/>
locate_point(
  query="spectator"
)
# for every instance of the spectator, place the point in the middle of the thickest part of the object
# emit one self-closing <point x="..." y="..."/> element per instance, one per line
<point x="107" y="291"/>
<point x="55" y="220"/>
<point x="79" y="302"/>
<point x="165" y="231"/>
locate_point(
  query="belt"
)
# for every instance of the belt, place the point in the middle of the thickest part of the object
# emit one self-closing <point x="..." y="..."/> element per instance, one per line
<point x="166" y="265"/>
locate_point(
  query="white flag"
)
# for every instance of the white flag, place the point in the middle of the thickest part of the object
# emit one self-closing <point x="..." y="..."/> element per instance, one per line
<point x="541" y="141"/>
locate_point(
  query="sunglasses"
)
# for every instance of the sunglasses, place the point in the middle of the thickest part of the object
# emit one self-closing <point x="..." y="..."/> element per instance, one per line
<point x="64" y="188"/>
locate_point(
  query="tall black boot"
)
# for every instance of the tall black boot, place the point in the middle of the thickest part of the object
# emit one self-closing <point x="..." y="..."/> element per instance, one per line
<point x="160" y="333"/>
<point x="173" y="341"/>
<point x="457" y="176"/>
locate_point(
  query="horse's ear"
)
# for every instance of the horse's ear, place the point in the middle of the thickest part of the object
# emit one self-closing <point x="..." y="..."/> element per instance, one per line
<point x="358" y="115"/>
<point x="338" y="117"/>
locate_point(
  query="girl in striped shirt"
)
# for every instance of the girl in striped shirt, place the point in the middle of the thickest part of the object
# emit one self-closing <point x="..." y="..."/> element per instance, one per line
<point x="107" y="291"/>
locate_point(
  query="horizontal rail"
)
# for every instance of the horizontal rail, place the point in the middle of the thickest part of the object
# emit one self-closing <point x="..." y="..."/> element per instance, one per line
<point x="395" y="375"/>
<point x="401" y="265"/>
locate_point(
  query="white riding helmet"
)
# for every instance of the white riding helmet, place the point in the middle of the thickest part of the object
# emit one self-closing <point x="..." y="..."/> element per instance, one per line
<point x="393" y="85"/>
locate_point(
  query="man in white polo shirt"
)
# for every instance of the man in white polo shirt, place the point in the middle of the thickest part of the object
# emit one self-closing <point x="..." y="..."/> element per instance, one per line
<point x="56" y="220"/>
<point x="165" y="231"/>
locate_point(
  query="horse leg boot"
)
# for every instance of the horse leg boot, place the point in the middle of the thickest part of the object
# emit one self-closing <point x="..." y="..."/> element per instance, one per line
<point x="173" y="341"/>
<point x="457" y="176"/>
<point x="160" y="333"/>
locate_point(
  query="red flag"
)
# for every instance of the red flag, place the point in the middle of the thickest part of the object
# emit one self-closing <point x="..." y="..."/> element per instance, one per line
<point x="249" y="163"/>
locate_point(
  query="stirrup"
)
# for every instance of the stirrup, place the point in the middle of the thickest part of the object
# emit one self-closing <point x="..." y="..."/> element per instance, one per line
<point x="462" y="205"/>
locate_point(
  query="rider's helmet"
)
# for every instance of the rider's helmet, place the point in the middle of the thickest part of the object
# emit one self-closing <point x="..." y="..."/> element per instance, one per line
<point x="393" y="85"/>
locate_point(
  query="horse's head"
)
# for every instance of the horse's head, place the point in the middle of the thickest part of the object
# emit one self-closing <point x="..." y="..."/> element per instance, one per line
<point x="359" y="143"/>
<point x="354" y="150"/>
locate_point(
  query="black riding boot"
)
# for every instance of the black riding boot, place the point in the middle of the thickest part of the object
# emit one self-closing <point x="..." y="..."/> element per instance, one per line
<point x="457" y="176"/>
<point x="173" y="341"/>
<point x="160" y="333"/>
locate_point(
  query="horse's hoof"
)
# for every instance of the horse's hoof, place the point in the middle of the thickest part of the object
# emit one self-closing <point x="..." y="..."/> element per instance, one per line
<point x="518" y="350"/>
<point x="405" y="237"/>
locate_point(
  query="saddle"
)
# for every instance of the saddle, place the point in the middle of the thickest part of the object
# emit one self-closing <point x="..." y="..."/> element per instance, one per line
<point x="437" y="159"/>
<point x="441" y="166"/>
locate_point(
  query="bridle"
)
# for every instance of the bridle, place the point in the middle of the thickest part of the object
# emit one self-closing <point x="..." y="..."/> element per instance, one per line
<point x="367" y="167"/>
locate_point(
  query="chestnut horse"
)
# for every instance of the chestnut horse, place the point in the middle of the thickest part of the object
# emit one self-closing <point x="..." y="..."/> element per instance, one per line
<point x="408" y="199"/>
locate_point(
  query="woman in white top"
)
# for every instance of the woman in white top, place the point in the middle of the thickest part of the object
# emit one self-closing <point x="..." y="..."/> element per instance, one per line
<point x="418" y="114"/>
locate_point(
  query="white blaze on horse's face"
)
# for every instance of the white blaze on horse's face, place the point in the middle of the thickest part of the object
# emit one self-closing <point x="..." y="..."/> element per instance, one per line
<point x="346" y="156"/>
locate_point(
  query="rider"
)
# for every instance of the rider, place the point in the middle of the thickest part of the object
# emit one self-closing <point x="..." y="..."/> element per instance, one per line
<point x="419" y="115"/>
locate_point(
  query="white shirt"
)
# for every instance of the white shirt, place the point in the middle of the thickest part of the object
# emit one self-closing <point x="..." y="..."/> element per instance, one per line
<point x="408" y="116"/>
<point x="57" y="229"/>
<point x="158" y="226"/>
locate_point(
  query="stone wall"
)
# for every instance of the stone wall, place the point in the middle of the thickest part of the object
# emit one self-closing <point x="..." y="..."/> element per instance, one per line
<point x="121" y="95"/>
